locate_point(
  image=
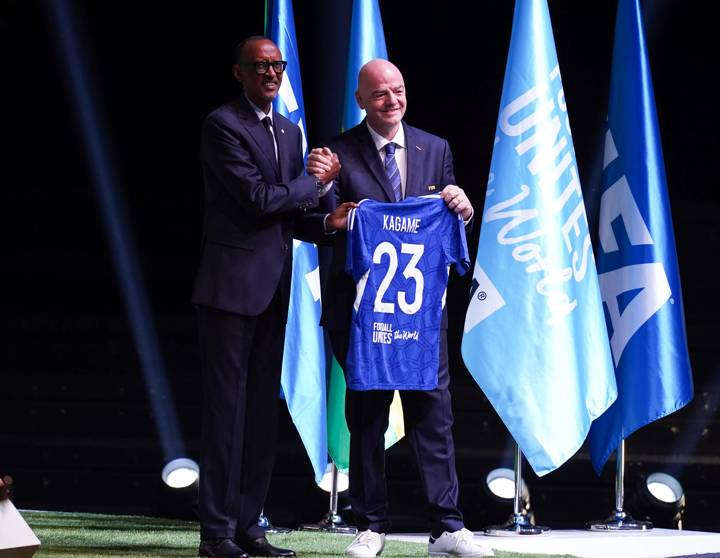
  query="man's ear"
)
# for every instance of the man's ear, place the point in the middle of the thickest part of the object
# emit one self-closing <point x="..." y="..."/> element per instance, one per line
<point x="359" y="101"/>
<point x="237" y="72"/>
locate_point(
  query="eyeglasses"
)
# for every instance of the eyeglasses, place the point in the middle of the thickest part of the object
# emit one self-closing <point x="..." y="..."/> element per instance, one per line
<point x="263" y="66"/>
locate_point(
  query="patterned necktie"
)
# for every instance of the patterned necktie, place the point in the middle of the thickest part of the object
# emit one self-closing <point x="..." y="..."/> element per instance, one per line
<point x="392" y="171"/>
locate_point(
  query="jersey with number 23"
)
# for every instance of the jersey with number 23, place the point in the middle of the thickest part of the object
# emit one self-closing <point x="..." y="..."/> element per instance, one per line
<point x="399" y="255"/>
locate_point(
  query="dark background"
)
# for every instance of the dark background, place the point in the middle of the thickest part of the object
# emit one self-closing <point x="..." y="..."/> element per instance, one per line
<point x="76" y="426"/>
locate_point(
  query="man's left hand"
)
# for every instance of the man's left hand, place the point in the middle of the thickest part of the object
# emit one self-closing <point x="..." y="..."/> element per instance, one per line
<point x="456" y="200"/>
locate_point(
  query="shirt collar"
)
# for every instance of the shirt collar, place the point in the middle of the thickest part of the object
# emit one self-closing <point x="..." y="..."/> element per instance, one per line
<point x="259" y="113"/>
<point x="380" y="142"/>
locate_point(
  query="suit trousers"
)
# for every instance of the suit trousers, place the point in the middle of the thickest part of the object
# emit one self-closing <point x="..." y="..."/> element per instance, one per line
<point x="428" y="422"/>
<point x="241" y="361"/>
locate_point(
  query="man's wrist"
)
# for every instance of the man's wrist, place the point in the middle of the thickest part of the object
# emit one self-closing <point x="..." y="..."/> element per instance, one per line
<point x="472" y="214"/>
<point x="325" y="227"/>
<point x="322" y="187"/>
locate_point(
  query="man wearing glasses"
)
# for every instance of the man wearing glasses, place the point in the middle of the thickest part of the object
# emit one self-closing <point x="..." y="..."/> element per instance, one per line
<point x="257" y="198"/>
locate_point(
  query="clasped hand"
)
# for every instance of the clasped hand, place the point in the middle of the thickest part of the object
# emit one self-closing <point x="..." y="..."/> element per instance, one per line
<point x="323" y="164"/>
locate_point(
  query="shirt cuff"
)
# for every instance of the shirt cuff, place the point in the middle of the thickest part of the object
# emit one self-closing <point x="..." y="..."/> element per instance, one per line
<point x="323" y="189"/>
<point x="472" y="214"/>
<point x="325" y="223"/>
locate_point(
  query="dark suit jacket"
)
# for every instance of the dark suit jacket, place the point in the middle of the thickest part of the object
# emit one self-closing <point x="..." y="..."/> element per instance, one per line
<point x="429" y="170"/>
<point x="251" y="206"/>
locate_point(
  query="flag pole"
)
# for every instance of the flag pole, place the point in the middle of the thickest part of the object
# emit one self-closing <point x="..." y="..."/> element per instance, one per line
<point x="519" y="522"/>
<point x="619" y="519"/>
<point x="332" y="521"/>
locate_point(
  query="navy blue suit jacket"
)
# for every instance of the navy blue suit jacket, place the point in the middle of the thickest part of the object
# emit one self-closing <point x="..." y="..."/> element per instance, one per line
<point x="429" y="170"/>
<point x="251" y="205"/>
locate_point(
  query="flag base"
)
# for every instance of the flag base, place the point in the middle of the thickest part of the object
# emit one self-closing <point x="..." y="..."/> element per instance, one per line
<point x="330" y="523"/>
<point x="619" y="521"/>
<point x="265" y="523"/>
<point x="518" y="524"/>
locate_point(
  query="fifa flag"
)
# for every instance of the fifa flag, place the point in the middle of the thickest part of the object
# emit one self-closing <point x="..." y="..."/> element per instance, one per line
<point x="535" y="338"/>
<point x="637" y="264"/>
<point x="303" y="367"/>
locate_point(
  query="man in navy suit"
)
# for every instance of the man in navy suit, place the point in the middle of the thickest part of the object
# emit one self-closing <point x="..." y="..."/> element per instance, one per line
<point x="373" y="154"/>
<point x="257" y="198"/>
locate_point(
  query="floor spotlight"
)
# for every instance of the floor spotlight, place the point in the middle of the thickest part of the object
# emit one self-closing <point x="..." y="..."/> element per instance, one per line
<point x="667" y="497"/>
<point x="178" y="493"/>
<point x="660" y="498"/>
<point x="180" y="472"/>
<point x="343" y="481"/>
<point x="664" y="487"/>
<point x="501" y="483"/>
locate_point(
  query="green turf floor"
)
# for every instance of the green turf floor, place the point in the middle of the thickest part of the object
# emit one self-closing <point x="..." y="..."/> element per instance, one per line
<point x="94" y="535"/>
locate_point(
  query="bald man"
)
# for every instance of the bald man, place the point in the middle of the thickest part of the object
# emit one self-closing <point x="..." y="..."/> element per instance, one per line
<point x="425" y="166"/>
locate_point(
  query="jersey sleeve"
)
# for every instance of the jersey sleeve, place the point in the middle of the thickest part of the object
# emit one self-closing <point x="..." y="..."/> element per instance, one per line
<point x="455" y="242"/>
<point x="357" y="259"/>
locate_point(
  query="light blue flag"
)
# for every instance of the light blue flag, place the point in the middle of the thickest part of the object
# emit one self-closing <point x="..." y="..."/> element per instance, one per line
<point x="637" y="263"/>
<point x="303" y="368"/>
<point x="367" y="41"/>
<point x="535" y="338"/>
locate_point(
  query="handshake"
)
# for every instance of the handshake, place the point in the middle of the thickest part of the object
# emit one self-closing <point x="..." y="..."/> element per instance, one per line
<point x="323" y="164"/>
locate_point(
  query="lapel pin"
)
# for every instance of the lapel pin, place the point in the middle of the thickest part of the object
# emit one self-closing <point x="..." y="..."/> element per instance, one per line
<point x="431" y="187"/>
<point x="418" y="148"/>
<point x="282" y="130"/>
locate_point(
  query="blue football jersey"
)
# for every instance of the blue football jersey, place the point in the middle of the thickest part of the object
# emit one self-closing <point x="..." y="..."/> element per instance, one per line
<point x="399" y="255"/>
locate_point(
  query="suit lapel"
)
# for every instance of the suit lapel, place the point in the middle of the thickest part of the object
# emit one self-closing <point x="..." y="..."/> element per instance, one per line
<point x="414" y="158"/>
<point x="258" y="133"/>
<point x="371" y="157"/>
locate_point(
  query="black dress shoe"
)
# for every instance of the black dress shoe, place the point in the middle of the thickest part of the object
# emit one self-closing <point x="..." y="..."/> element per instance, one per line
<point x="261" y="547"/>
<point x="221" y="548"/>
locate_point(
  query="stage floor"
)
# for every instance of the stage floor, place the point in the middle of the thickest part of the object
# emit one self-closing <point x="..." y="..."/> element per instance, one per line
<point x="657" y="543"/>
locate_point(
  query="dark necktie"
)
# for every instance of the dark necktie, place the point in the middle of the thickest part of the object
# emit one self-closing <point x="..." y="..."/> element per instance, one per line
<point x="392" y="170"/>
<point x="267" y="121"/>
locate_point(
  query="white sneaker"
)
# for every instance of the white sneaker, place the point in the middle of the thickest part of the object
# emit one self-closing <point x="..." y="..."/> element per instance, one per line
<point x="458" y="543"/>
<point x="366" y="545"/>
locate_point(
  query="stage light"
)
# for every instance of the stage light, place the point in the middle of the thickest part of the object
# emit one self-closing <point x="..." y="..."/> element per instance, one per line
<point x="659" y="498"/>
<point x="501" y="483"/>
<point x="342" y="480"/>
<point x="664" y="488"/>
<point x="180" y="473"/>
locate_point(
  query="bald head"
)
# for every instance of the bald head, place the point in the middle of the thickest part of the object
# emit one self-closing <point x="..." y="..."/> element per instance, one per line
<point x="381" y="93"/>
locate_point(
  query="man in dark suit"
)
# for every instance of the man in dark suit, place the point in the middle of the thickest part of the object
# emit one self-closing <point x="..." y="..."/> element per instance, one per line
<point x="256" y="199"/>
<point x="387" y="160"/>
